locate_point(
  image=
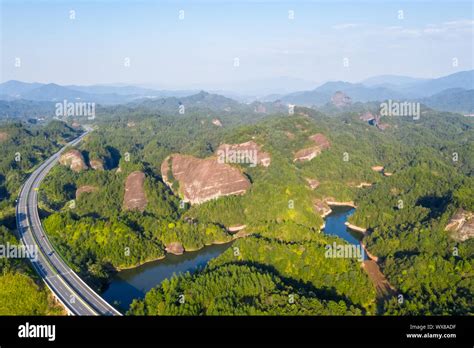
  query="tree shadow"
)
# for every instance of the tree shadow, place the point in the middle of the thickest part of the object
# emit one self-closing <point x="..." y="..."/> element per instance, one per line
<point x="436" y="205"/>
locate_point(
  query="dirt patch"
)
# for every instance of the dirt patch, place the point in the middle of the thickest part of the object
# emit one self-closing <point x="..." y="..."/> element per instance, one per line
<point x="3" y="137"/>
<point x="382" y="286"/>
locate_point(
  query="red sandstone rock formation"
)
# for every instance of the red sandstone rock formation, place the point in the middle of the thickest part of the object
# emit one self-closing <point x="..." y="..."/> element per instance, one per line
<point x="461" y="225"/>
<point x="175" y="248"/>
<point x="85" y="189"/>
<point x="248" y="152"/>
<point x="320" y="140"/>
<point x="313" y="184"/>
<point x="74" y="160"/>
<point x="135" y="198"/>
<point x="201" y="180"/>
<point x="217" y="122"/>
<point x="322" y="208"/>
<point x="340" y="99"/>
<point x="383" y="126"/>
<point x="97" y="164"/>
<point x="236" y="228"/>
<point x="3" y="137"/>
<point x="377" y="168"/>
<point x="367" y="116"/>
<point x="307" y="154"/>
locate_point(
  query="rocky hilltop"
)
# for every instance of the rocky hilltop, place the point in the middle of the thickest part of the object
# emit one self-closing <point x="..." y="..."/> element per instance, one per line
<point x="307" y="154"/>
<point x="135" y="198"/>
<point x="248" y="152"/>
<point x="199" y="180"/>
<point x="74" y="160"/>
<point x="461" y="225"/>
<point x="340" y="99"/>
<point x="85" y="189"/>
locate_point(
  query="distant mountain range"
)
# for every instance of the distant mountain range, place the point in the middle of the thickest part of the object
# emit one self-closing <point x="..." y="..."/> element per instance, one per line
<point x="450" y="93"/>
<point x="385" y="87"/>
<point x="454" y="100"/>
<point x="101" y="94"/>
<point x="357" y="91"/>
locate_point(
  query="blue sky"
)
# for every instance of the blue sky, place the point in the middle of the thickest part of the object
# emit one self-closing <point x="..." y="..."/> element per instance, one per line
<point x="200" y="49"/>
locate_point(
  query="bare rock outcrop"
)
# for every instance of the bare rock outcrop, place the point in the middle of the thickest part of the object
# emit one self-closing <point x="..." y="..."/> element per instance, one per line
<point x="74" y="160"/>
<point x="340" y="99"/>
<point x="307" y="154"/>
<point x="374" y="120"/>
<point x="313" y="183"/>
<point x="249" y="152"/>
<point x="85" y="189"/>
<point x="175" y="248"/>
<point x="377" y="168"/>
<point x="236" y="228"/>
<point x="97" y="164"/>
<point x="383" y="126"/>
<point x="367" y="116"/>
<point x="364" y="184"/>
<point x="200" y="180"/>
<point x="322" y="208"/>
<point x="461" y="225"/>
<point x="135" y="198"/>
<point x="260" y="108"/>
<point x="217" y="122"/>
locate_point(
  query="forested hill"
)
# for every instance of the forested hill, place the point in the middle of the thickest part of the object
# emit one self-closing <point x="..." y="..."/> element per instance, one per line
<point x="284" y="252"/>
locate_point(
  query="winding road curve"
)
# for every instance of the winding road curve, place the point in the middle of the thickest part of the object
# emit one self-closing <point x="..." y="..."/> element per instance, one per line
<point x="70" y="290"/>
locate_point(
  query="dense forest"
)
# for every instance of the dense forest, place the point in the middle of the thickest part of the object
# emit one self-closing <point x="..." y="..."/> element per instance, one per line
<point x="405" y="210"/>
<point x="278" y="265"/>
<point x="23" y="147"/>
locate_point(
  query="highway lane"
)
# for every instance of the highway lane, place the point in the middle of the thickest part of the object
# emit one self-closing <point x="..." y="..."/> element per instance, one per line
<point x="68" y="287"/>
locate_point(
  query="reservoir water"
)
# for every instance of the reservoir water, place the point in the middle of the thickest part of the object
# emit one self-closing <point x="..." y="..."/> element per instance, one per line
<point x="134" y="283"/>
<point x="335" y="224"/>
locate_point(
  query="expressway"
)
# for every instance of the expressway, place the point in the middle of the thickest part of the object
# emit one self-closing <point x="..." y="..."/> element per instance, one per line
<point x="70" y="290"/>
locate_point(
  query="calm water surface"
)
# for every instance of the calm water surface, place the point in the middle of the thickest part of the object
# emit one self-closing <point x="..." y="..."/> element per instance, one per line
<point x="135" y="283"/>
